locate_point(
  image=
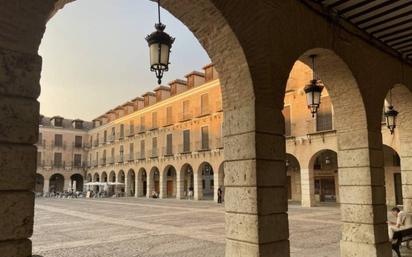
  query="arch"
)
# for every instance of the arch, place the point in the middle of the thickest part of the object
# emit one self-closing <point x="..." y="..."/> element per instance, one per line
<point x="154" y="183"/>
<point x="76" y="182"/>
<point x="39" y="187"/>
<point x="96" y="177"/>
<point x="293" y="177"/>
<point x="112" y="176"/>
<point x="131" y="183"/>
<point x="324" y="166"/>
<point x="393" y="177"/>
<point x="141" y="182"/>
<point x="121" y="176"/>
<point x="220" y="183"/>
<point x="169" y="182"/>
<point x="89" y="177"/>
<point x="186" y="189"/>
<point x="56" y="182"/>
<point x="104" y="177"/>
<point x="205" y="181"/>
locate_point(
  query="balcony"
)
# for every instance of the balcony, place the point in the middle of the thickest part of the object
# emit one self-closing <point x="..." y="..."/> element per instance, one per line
<point x="167" y="151"/>
<point x="102" y="161"/>
<point x="41" y="163"/>
<point x="167" y="122"/>
<point x="121" y="136"/>
<point x="96" y="143"/>
<point x="120" y="158"/>
<point x="130" y="157"/>
<point x="141" y="129"/>
<point x="154" y="126"/>
<point x="184" y="116"/>
<point x="111" y="138"/>
<point x="140" y="156"/>
<point x="77" y="145"/>
<point x="110" y="160"/>
<point x="77" y="165"/>
<point x="59" y="164"/>
<point x="87" y="145"/>
<point x="95" y="163"/>
<point x="130" y="132"/>
<point x="185" y="148"/>
<point x="202" y="111"/>
<point x="59" y="145"/>
<point x="153" y="153"/>
<point x="202" y="146"/>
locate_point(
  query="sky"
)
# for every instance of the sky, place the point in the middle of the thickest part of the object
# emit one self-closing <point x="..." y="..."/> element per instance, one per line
<point x="95" y="56"/>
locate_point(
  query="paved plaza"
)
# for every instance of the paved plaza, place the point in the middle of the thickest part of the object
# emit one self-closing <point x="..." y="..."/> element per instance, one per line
<point x="132" y="227"/>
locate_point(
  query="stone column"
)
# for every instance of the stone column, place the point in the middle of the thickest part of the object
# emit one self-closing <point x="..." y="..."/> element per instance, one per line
<point x="197" y="185"/>
<point x="255" y="183"/>
<point x="126" y="186"/>
<point x="217" y="184"/>
<point x="179" y="185"/>
<point x="138" y="189"/>
<point x="150" y="185"/>
<point x="19" y="113"/>
<point x="46" y="186"/>
<point x="362" y="194"/>
<point x="162" y="185"/>
<point x="307" y="187"/>
<point x="67" y="184"/>
<point x="405" y="138"/>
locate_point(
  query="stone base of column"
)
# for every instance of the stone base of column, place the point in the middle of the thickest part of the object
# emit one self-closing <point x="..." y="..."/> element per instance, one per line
<point x="241" y="249"/>
<point x="355" y="249"/>
<point x="15" y="248"/>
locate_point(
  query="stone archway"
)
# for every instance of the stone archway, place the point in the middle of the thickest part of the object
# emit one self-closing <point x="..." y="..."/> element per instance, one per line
<point x="131" y="183"/>
<point x="204" y="179"/>
<point x="39" y="183"/>
<point x="76" y="182"/>
<point x="121" y="180"/>
<point x="393" y="179"/>
<point x="186" y="182"/>
<point x="141" y="182"/>
<point x="293" y="178"/>
<point x="56" y="183"/>
<point x="104" y="177"/>
<point x="153" y="185"/>
<point x="168" y="182"/>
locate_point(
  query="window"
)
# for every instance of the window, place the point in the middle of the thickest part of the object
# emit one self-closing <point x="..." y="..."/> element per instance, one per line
<point x="169" y="144"/>
<point x="113" y="133"/>
<point x="105" y="136"/>
<point x="78" y="141"/>
<point x="57" y="159"/>
<point x="186" y="141"/>
<point x="121" y="152"/>
<point x="204" y="104"/>
<point x="97" y="158"/>
<point x="169" y="115"/>
<point x="142" y="148"/>
<point x="288" y="125"/>
<point x="104" y="156"/>
<point x="324" y="115"/>
<point x="40" y="141"/>
<point x="205" y="138"/>
<point x="78" y="124"/>
<point x="131" y="150"/>
<point x="154" y="143"/>
<point x="112" y="152"/>
<point x="121" y="130"/>
<point x="142" y="123"/>
<point x="131" y="127"/>
<point x="185" y="111"/>
<point x="77" y="160"/>
<point x="154" y="120"/>
<point x="58" y="140"/>
<point x="58" y="122"/>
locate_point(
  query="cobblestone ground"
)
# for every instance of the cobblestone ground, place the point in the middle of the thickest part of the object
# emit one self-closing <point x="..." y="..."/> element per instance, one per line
<point x="132" y="227"/>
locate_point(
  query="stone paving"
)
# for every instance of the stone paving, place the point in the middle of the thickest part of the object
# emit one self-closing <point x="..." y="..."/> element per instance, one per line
<point x="132" y="227"/>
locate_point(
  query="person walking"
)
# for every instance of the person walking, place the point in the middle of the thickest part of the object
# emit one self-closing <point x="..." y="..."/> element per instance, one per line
<point x="219" y="195"/>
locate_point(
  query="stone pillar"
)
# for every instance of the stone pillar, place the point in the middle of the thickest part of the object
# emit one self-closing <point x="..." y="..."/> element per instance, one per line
<point x="126" y="186"/>
<point x="138" y="189"/>
<point x="217" y="184"/>
<point x="150" y="185"/>
<point x="405" y="138"/>
<point x="362" y="194"/>
<point x="67" y="184"/>
<point x="162" y="185"/>
<point x="255" y="183"/>
<point x="307" y="187"/>
<point x="19" y="113"/>
<point x="46" y="186"/>
<point x="197" y="185"/>
<point x="179" y="185"/>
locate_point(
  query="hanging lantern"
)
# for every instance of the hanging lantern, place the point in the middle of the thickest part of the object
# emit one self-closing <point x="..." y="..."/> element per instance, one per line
<point x="390" y="115"/>
<point x="313" y="91"/>
<point x="160" y="44"/>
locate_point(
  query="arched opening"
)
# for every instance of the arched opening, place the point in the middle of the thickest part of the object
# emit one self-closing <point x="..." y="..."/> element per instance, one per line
<point x="104" y="177"/>
<point x="56" y="183"/>
<point x="89" y="177"/>
<point x="96" y="178"/>
<point x="206" y="181"/>
<point x="169" y="182"/>
<point x="220" y="189"/>
<point x="120" y="185"/>
<point x="142" y="182"/>
<point x="393" y="179"/>
<point x="154" y="183"/>
<point x="131" y="183"/>
<point x="39" y="183"/>
<point x="187" y="182"/>
<point x="293" y="178"/>
<point x="76" y="183"/>
<point x="324" y="165"/>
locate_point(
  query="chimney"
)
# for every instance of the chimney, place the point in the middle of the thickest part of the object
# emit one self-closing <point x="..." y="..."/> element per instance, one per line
<point x="210" y="73"/>
<point x="177" y="86"/>
<point x="194" y="79"/>
<point x="138" y="103"/>
<point x="162" y="93"/>
<point x="128" y="107"/>
<point x="149" y="98"/>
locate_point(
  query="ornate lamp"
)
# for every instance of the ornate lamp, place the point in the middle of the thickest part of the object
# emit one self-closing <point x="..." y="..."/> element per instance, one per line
<point x="391" y="115"/>
<point x="313" y="91"/>
<point x="160" y="44"/>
